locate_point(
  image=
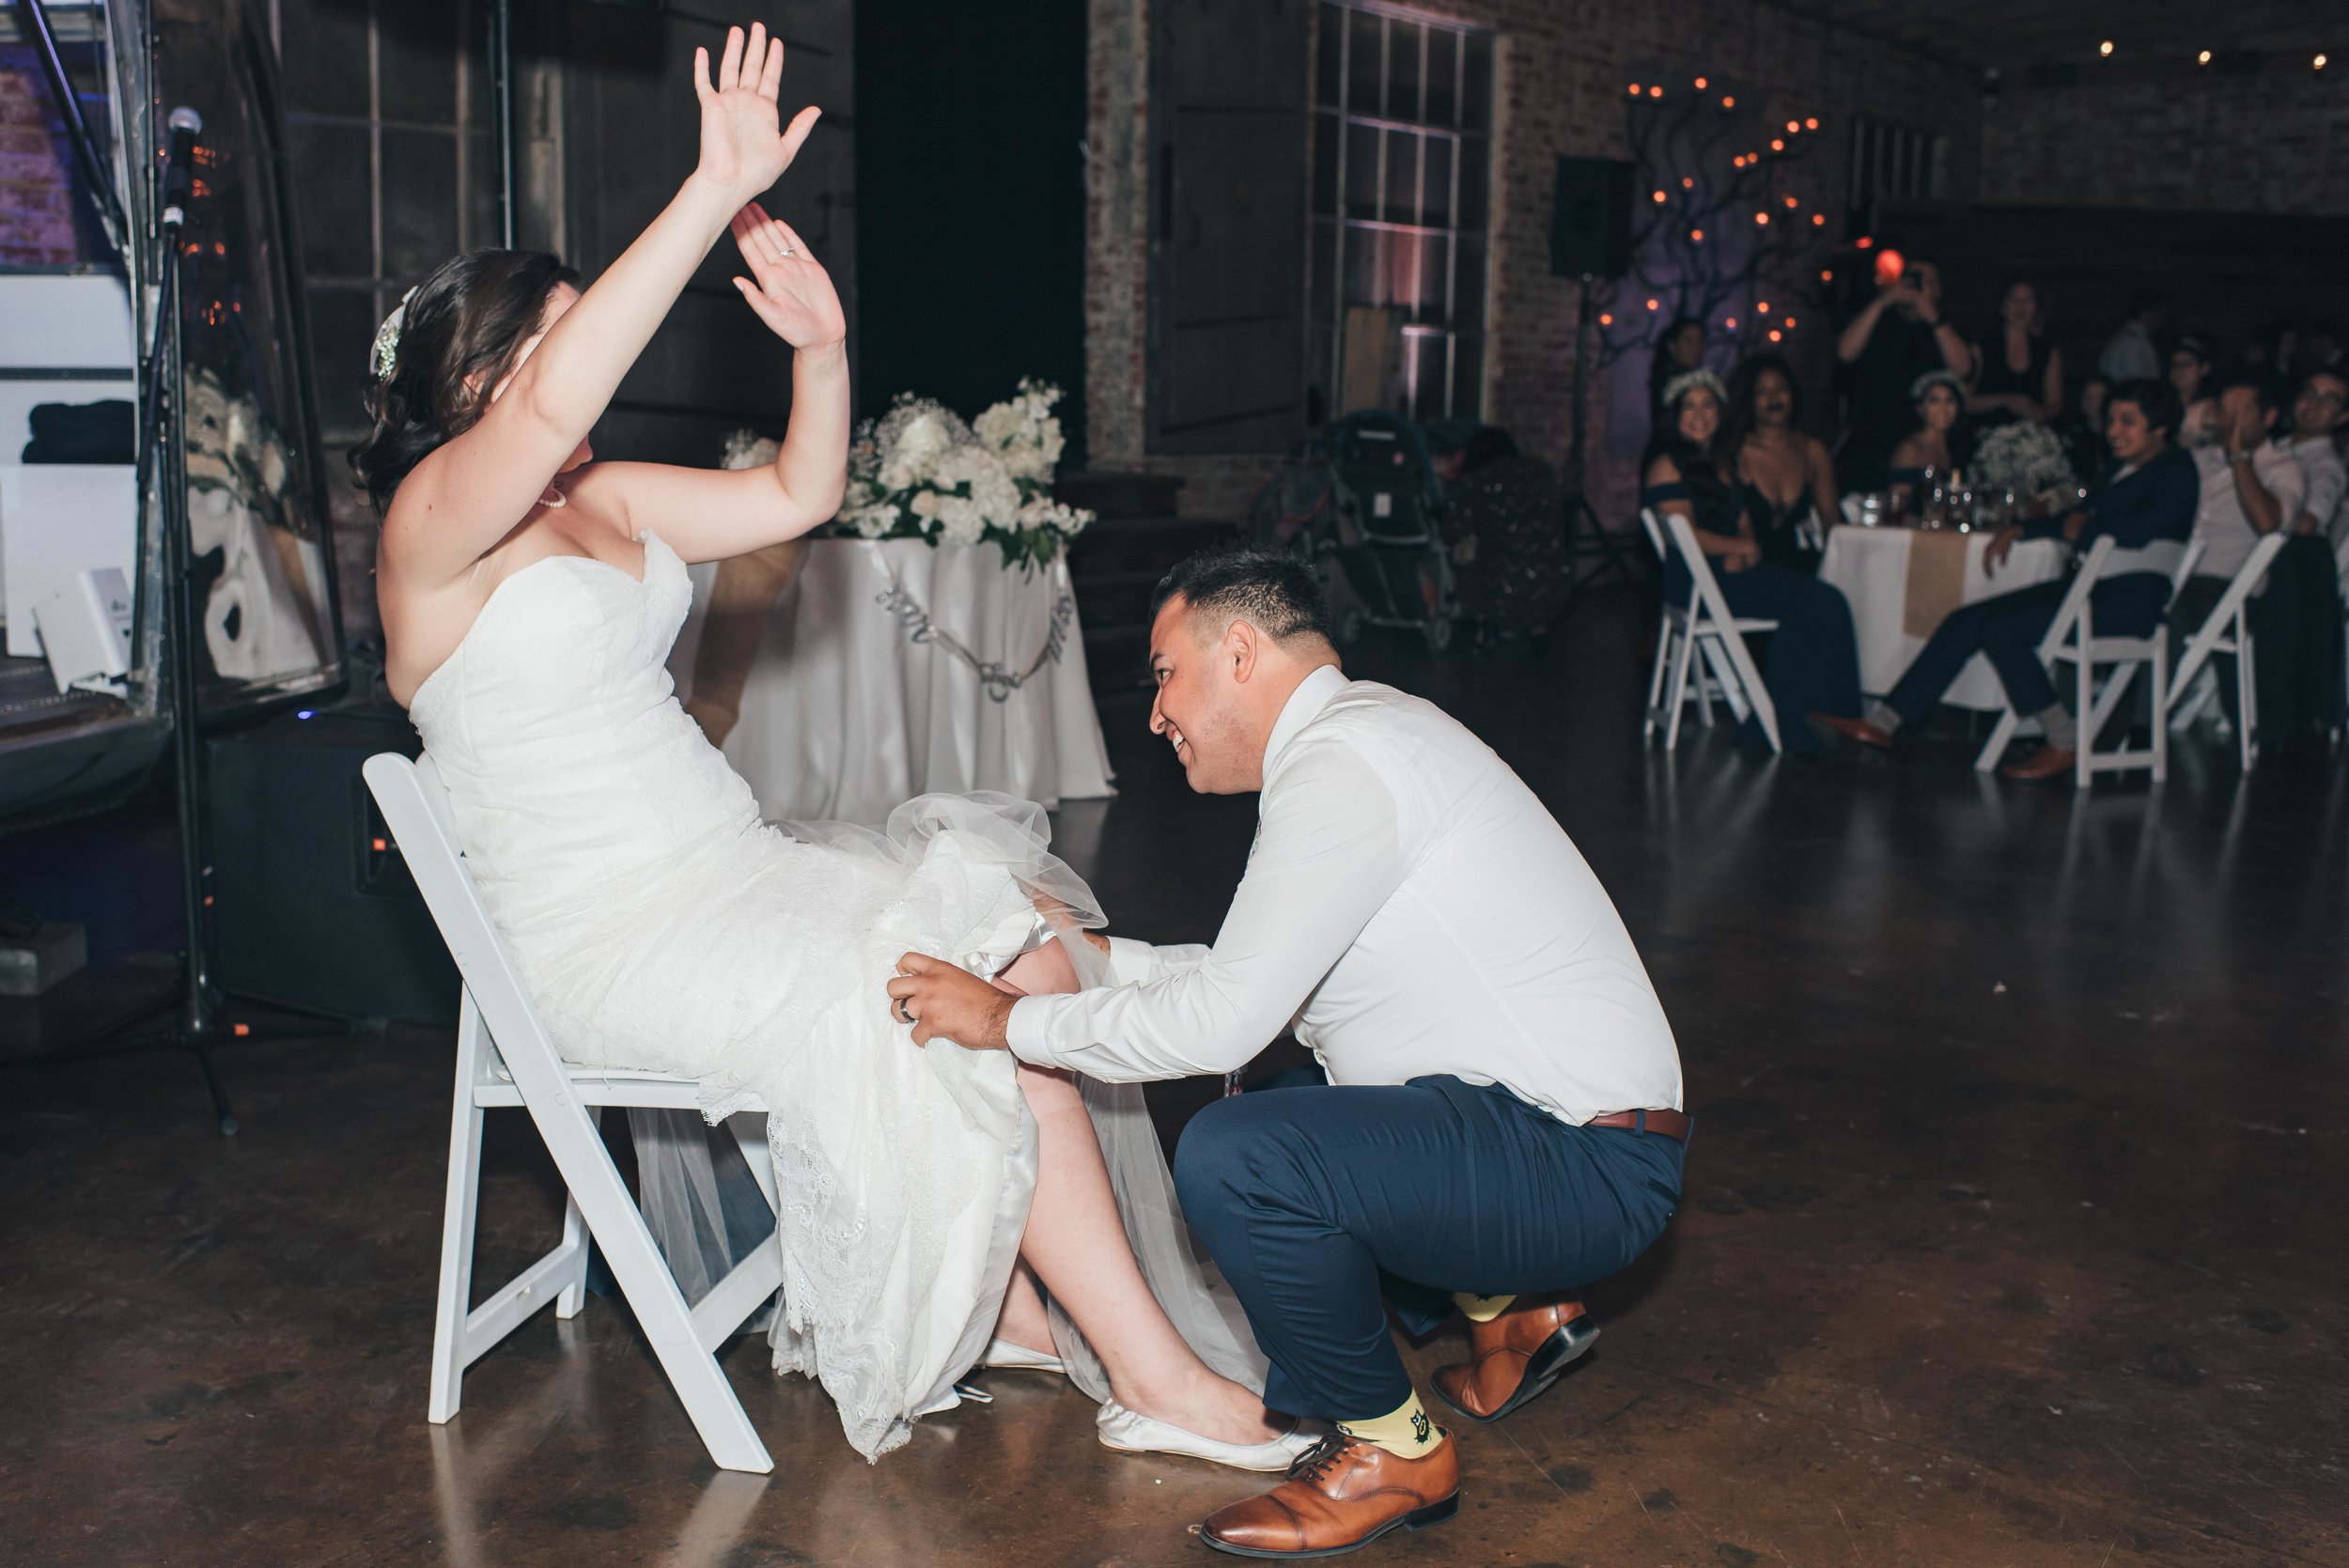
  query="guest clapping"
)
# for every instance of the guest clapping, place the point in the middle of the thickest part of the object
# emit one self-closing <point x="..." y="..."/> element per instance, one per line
<point x="2022" y="371"/>
<point x="1813" y="663"/>
<point x="1785" y="476"/>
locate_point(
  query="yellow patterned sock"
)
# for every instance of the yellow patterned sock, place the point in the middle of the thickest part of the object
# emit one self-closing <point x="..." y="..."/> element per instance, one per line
<point x="1405" y="1431"/>
<point x="1482" y="1308"/>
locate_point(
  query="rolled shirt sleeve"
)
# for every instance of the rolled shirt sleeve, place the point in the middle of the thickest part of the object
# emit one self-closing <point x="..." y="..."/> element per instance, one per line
<point x="1327" y="855"/>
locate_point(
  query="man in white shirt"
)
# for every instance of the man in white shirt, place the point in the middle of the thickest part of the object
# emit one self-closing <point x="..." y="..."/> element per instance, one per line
<point x="2252" y="485"/>
<point x="2296" y="619"/>
<point x="1502" y="1123"/>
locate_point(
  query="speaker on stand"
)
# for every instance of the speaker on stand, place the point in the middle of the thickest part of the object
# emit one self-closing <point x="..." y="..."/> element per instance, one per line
<point x="1590" y="240"/>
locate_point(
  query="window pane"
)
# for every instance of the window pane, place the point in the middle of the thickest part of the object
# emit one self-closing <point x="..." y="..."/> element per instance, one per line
<point x="1328" y="135"/>
<point x="1361" y="267"/>
<point x="1443" y="61"/>
<point x="1362" y="171"/>
<point x="1468" y="211"/>
<point x="1468" y="283"/>
<point x="1435" y="281"/>
<point x="417" y="68"/>
<point x="1467" y="376"/>
<point x="328" y="164"/>
<point x="1402" y="204"/>
<point x="419" y="214"/>
<point x="1365" y="64"/>
<point x="1329" y="64"/>
<point x="1435" y="205"/>
<point x="342" y="328"/>
<point x="1476" y="91"/>
<point x="1405" y="41"/>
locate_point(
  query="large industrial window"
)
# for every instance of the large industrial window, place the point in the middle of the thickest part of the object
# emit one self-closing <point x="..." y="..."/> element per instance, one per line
<point x="1887" y="161"/>
<point x="1402" y="182"/>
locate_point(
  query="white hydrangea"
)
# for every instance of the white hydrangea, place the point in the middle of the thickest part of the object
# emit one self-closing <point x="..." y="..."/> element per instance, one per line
<point x="961" y="519"/>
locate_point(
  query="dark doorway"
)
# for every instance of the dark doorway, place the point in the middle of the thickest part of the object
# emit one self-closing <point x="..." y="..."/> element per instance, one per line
<point x="969" y="178"/>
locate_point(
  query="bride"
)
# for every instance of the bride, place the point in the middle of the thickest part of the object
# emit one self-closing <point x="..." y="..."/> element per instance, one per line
<point x="529" y="595"/>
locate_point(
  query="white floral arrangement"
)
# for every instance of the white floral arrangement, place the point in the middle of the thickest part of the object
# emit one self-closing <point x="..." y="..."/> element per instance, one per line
<point x="2024" y="457"/>
<point x="922" y="474"/>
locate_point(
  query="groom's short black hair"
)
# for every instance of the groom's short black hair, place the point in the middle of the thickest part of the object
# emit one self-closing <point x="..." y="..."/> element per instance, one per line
<point x="1273" y="590"/>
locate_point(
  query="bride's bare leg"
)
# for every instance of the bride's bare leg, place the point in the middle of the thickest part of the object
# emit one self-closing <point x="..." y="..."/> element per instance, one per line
<point x="1023" y="1321"/>
<point x="1077" y="1245"/>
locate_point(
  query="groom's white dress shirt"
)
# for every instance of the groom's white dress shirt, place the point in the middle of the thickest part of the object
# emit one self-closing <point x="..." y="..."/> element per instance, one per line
<point x="1411" y="907"/>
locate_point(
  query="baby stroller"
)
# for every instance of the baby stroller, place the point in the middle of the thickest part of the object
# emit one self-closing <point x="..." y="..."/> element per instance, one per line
<point x="1382" y="554"/>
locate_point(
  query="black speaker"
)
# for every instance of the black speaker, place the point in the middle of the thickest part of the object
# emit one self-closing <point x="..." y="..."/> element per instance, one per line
<point x="1590" y="232"/>
<point x="314" y="906"/>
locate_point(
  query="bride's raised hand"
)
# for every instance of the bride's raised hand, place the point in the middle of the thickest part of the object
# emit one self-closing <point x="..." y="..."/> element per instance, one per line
<point x="745" y="148"/>
<point x="792" y="294"/>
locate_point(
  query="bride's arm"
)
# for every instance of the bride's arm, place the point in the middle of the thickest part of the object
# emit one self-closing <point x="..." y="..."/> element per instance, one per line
<point x="467" y="495"/>
<point x="717" y="514"/>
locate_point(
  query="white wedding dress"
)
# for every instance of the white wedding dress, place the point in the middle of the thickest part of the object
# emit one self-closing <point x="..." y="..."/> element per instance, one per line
<point x="658" y="923"/>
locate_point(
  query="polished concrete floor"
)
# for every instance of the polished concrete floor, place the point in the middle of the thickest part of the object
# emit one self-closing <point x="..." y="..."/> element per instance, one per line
<point x="2014" y="1230"/>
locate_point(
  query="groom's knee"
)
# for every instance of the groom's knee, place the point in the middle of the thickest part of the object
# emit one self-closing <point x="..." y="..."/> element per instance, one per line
<point x="1218" y="1160"/>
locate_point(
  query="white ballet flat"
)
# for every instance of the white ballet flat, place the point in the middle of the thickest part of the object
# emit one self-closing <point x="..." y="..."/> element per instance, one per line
<point x="1007" y="1356"/>
<point x="1128" y="1433"/>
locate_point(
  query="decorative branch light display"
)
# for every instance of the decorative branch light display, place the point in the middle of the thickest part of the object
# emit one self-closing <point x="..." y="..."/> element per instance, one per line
<point x="1716" y="235"/>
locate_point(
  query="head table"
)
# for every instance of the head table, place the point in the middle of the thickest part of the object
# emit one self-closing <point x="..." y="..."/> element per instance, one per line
<point x="1901" y="583"/>
<point x="892" y="668"/>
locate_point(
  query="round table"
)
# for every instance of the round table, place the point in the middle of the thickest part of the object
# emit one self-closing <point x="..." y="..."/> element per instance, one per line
<point x="892" y="668"/>
<point x="1901" y="583"/>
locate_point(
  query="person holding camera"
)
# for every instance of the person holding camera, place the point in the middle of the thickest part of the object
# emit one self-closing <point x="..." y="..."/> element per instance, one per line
<point x="1897" y="336"/>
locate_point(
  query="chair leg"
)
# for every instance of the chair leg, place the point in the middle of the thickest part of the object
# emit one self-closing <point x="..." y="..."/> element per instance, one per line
<point x="651" y="1290"/>
<point x="459" y="1209"/>
<point x="1679" y="686"/>
<point x="2247" y="693"/>
<point x="2084" y="758"/>
<point x="2160" y="676"/>
<point x="1655" y="677"/>
<point x="572" y="1293"/>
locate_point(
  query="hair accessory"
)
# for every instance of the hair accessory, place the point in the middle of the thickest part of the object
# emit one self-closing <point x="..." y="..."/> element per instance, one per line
<point x="386" y="351"/>
<point x="1688" y="381"/>
<point x="1930" y="378"/>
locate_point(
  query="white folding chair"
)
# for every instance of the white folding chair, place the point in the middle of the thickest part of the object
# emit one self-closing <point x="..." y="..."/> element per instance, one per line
<point x="2071" y="637"/>
<point x="2228" y="630"/>
<point x="504" y="1058"/>
<point x="1704" y="628"/>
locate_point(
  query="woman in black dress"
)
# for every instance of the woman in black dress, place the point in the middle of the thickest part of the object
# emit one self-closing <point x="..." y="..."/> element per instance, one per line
<point x="2022" y="371"/>
<point x="1786" y="477"/>
<point x="1812" y="664"/>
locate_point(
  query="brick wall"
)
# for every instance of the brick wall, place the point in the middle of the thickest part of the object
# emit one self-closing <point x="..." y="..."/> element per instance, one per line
<point x="36" y="190"/>
<point x="1563" y="66"/>
<point x="2274" y="142"/>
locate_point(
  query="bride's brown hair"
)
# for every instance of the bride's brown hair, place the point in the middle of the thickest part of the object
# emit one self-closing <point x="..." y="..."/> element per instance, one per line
<point x="462" y="330"/>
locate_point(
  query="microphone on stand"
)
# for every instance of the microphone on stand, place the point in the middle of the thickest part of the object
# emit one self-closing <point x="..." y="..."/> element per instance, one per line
<point x="180" y="164"/>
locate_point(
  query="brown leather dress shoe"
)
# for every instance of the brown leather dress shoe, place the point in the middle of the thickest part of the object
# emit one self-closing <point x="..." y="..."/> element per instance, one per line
<point x="1516" y="1355"/>
<point x="2048" y="762"/>
<point x="1342" y="1494"/>
<point x="1855" y="729"/>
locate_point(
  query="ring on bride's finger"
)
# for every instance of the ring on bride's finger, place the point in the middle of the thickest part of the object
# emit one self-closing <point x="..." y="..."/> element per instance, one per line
<point x="904" y="1014"/>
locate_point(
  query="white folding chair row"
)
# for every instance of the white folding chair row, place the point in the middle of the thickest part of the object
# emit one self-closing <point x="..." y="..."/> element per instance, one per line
<point x="506" y="1058"/>
<point x="2194" y="685"/>
<point x="1702" y="629"/>
<point x="2072" y="638"/>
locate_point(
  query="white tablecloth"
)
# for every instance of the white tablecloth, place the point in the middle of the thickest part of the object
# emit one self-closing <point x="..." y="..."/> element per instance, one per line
<point x="857" y="700"/>
<point x="1872" y="566"/>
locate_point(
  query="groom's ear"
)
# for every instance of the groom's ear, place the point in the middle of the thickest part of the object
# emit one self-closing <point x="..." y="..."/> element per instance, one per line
<point x="1241" y="643"/>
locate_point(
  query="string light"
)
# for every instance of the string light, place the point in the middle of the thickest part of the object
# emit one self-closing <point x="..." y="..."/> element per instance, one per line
<point x="2319" y="62"/>
<point x="1762" y="217"/>
<point x="1699" y="83"/>
<point x="1697" y="236"/>
<point x="2203" y="58"/>
<point x="1728" y="103"/>
<point x="2104" y="49"/>
<point x="1607" y="318"/>
<point x="1688" y="182"/>
<point x="1731" y="322"/>
<point x="1818" y="220"/>
<point x="1776" y="336"/>
<point x="1791" y="202"/>
<point x="1865" y="241"/>
<point x="1793" y="126"/>
<point x="1790" y="321"/>
<point x="1658" y="194"/>
<point x="1811" y="125"/>
<point x="1635" y="89"/>
<point x="1776" y="145"/>
<point x="1761" y="307"/>
<point x="1826" y="274"/>
<point x="1656" y="92"/>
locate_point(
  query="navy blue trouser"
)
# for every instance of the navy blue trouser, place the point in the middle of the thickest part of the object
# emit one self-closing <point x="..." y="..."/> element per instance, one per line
<point x="1316" y="1202"/>
<point x="2006" y="630"/>
<point x="1812" y="664"/>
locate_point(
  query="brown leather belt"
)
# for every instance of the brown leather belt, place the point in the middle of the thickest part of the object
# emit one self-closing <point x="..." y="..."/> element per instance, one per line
<point x="1671" y="1124"/>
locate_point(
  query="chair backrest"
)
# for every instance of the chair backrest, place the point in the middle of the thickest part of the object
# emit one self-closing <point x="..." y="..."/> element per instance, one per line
<point x="415" y="807"/>
<point x="2075" y="602"/>
<point x="1655" y="530"/>
<point x="2186" y="563"/>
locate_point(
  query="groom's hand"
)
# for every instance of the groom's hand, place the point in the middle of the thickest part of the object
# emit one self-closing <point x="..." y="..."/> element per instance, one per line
<point x="946" y="1001"/>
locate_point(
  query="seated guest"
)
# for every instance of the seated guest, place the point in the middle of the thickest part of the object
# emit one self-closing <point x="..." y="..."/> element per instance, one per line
<point x="2129" y="354"/>
<point x="2022" y="371"/>
<point x="2145" y="504"/>
<point x="2084" y="435"/>
<point x="1503" y="511"/>
<point x="1897" y="339"/>
<point x="2251" y="488"/>
<point x="1812" y="664"/>
<point x="1680" y="350"/>
<point x="2189" y="377"/>
<point x="1785" y="476"/>
<point x="1940" y="399"/>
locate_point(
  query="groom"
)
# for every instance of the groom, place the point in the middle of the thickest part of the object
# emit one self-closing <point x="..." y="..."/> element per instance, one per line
<point x="1502" y="1122"/>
